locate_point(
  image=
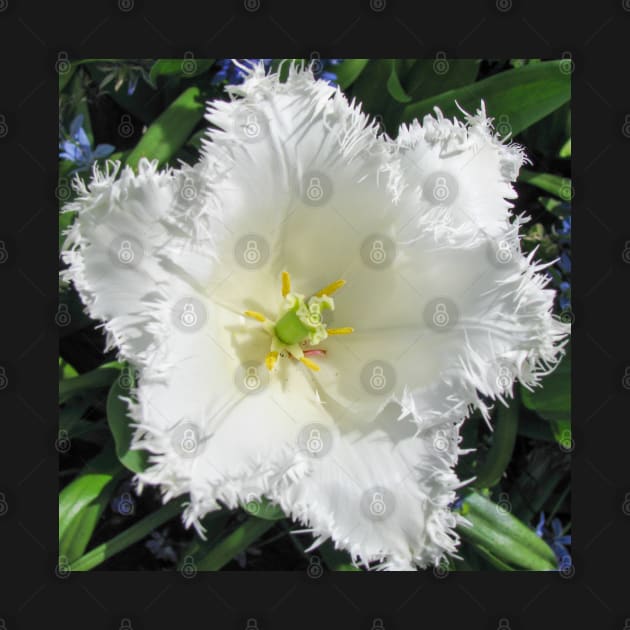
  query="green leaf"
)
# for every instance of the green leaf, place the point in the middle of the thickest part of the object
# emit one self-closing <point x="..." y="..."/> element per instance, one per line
<point x="66" y="370"/>
<point x="282" y="66"/>
<point x="395" y="88"/>
<point x="122" y="431"/>
<point x="533" y="427"/>
<point x="194" y="141"/>
<point x="370" y="86"/>
<point x="375" y="88"/>
<point x="554" y="184"/>
<point x="98" y="378"/>
<point x="552" y="400"/>
<point x="142" y="104"/>
<point x="186" y="68"/>
<point x="71" y="414"/>
<point x="423" y="81"/>
<point x="239" y="540"/>
<point x="335" y="559"/>
<point x="82" y="502"/>
<point x="348" y="71"/>
<point x="492" y="559"/>
<point x="64" y="78"/>
<point x="547" y="136"/>
<point x="130" y="536"/>
<point x="520" y="97"/>
<point x="562" y="433"/>
<point x="214" y="525"/>
<point x="170" y="130"/>
<point x="263" y="508"/>
<point x="489" y="473"/>
<point x="556" y="207"/>
<point x="565" y="150"/>
<point x="536" y="483"/>
<point x="496" y="531"/>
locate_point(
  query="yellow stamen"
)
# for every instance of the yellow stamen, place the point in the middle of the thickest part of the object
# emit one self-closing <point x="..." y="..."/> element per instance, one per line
<point x="331" y="288"/>
<point x="255" y="315"/>
<point x="310" y="364"/>
<point x="270" y="360"/>
<point x="347" y="330"/>
<point x="286" y="283"/>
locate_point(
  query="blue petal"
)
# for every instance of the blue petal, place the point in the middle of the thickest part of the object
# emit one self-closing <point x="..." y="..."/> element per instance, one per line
<point x="556" y="527"/>
<point x="102" y="151"/>
<point x="76" y="124"/>
<point x="565" y="561"/>
<point x="133" y="83"/>
<point x="82" y="139"/>
<point x="541" y="524"/>
<point x="71" y="152"/>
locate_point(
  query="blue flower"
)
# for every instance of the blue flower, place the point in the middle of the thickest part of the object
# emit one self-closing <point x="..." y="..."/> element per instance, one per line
<point x="325" y="70"/>
<point x="159" y="546"/>
<point x="231" y="73"/>
<point x="77" y="148"/>
<point x="133" y="83"/>
<point x="565" y="262"/>
<point x="555" y="539"/>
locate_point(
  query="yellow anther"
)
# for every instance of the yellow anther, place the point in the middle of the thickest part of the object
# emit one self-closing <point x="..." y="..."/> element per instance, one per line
<point x="286" y="283"/>
<point x="331" y="288"/>
<point x="255" y="315"/>
<point x="347" y="330"/>
<point x="310" y="364"/>
<point x="270" y="360"/>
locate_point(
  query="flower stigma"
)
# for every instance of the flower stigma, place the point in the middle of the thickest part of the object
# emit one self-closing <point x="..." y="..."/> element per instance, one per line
<point x="300" y="325"/>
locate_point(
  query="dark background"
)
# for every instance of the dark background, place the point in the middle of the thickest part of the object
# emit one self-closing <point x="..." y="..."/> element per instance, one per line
<point x="31" y="38"/>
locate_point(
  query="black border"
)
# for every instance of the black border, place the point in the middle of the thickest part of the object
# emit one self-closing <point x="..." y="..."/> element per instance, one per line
<point x="33" y="594"/>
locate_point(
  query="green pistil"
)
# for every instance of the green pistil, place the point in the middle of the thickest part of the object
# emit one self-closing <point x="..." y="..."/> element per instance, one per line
<point x="290" y="329"/>
<point x="303" y="320"/>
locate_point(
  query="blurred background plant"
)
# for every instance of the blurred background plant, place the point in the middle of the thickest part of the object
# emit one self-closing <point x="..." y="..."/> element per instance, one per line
<point x="519" y="501"/>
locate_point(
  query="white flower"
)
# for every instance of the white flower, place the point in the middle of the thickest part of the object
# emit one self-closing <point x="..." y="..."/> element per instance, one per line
<point x="262" y="373"/>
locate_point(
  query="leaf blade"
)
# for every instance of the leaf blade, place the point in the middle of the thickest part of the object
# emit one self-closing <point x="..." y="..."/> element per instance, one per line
<point x="171" y="129"/>
<point x="552" y="401"/>
<point x="82" y="502"/>
<point x="504" y="536"/>
<point x="122" y="431"/>
<point x="524" y="95"/>
<point x="349" y="70"/>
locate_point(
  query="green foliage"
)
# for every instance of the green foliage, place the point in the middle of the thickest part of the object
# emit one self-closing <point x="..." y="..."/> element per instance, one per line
<point x="171" y="129"/>
<point x="490" y="470"/>
<point x="236" y="542"/>
<point x="520" y="97"/>
<point x="553" y="400"/>
<point x="504" y="538"/>
<point x="523" y="457"/>
<point x="178" y="68"/>
<point x="121" y="427"/>
<point x="82" y="502"/>
<point x="349" y="71"/>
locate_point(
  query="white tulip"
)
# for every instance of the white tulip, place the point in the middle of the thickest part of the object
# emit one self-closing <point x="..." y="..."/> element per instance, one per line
<point x="314" y="309"/>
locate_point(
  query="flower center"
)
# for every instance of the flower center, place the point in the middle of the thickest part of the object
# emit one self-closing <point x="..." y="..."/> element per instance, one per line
<point x="300" y="325"/>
